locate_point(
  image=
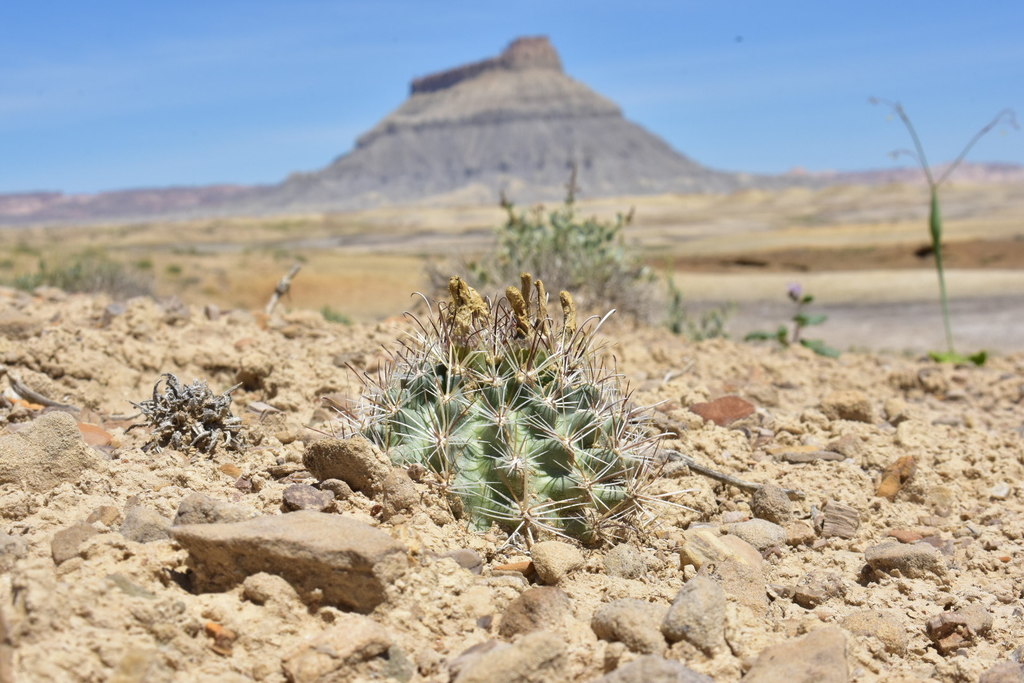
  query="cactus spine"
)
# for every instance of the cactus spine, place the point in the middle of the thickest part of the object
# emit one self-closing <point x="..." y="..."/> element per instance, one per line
<point x="515" y="418"/>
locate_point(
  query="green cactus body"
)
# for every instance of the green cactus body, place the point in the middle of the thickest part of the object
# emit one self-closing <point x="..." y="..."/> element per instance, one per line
<point x="516" y="421"/>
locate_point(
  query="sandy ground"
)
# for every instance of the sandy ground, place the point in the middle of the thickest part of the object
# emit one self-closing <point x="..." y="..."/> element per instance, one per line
<point x="111" y="604"/>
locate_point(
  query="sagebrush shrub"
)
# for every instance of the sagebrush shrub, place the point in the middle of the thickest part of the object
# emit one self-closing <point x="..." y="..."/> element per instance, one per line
<point x="585" y="255"/>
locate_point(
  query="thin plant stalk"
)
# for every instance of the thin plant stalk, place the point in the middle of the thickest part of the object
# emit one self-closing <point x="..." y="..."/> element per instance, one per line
<point x="935" y="213"/>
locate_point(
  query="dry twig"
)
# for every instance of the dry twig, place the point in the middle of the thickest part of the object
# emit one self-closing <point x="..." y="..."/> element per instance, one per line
<point x="282" y="288"/>
<point x="704" y="471"/>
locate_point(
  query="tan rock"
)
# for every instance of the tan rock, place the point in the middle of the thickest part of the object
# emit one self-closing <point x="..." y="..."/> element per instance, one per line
<point x="65" y="542"/>
<point x="744" y="585"/>
<point x="912" y="560"/>
<point x="885" y="626"/>
<point x="635" y="623"/>
<point x="818" y="657"/>
<point x="536" y="658"/>
<point x="49" y="452"/>
<point x="840" y="520"/>
<point x="344" y="561"/>
<point x="355" y="461"/>
<point x="848" y="405"/>
<point x="554" y="559"/>
<point x="706" y="544"/>
<point x="724" y="411"/>
<point x="542" y="607"/>
<point x="337" y="652"/>
<point x="799" y="533"/>
<point x="697" y="615"/>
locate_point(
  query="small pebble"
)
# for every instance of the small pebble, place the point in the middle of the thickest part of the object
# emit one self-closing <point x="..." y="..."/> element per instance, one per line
<point x="912" y="560"/>
<point x="1000" y="491"/>
<point x="724" y="411"/>
<point x="541" y="607"/>
<point x="65" y="542"/>
<point x="305" y="497"/>
<point x="339" y="488"/>
<point x="848" y="405"/>
<point x="143" y="525"/>
<point x="771" y="503"/>
<point x="887" y="627"/>
<point x="625" y="561"/>
<point x="839" y="520"/>
<point x="799" y="533"/>
<point x="554" y="559"/>
<point x="697" y="615"/>
<point x="819" y="656"/>
<point x="635" y="623"/>
<point x="759" y="533"/>
<point x="467" y="559"/>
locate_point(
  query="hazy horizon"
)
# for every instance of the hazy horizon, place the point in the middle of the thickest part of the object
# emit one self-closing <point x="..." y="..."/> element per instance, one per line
<point x="116" y="95"/>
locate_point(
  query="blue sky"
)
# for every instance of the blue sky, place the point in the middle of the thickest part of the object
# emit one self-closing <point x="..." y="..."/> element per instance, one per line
<point x="105" y="95"/>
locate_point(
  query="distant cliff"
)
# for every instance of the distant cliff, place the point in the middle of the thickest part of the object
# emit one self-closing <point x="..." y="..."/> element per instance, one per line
<point x="515" y="123"/>
<point x="522" y="53"/>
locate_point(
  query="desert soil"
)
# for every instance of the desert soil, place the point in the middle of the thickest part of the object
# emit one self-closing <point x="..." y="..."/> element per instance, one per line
<point x="921" y="580"/>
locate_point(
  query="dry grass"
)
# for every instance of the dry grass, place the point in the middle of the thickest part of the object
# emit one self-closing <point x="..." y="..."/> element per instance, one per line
<point x="365" y="264"/>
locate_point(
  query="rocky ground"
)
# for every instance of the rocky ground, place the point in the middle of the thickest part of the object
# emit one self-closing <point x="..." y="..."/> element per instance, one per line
<point x="898" y="553"/>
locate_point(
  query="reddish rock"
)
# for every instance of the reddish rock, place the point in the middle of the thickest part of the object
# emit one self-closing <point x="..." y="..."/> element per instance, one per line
<point x="94" y="435"/>
<point x="724" y="411"/>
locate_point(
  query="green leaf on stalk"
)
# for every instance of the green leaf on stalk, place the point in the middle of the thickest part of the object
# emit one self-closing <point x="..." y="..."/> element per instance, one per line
<point x="978" y="358"/>
<point x="820" y="348"/>
<point x="808" y="320"/>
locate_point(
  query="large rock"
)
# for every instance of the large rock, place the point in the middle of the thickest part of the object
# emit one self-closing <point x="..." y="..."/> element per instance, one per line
<point x="49" y="452"/>
<point x="348" y="561"/>
<point x="818" y="657"/>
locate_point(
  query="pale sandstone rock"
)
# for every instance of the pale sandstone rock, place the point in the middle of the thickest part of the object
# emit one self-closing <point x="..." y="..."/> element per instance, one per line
<point x="554" y="559"/>
<point x="346" y="561"/>
<point x="818" y="657"/>
<point x="697" y="615"/>
<point x="49" y="452"/>
<point x="337" y="652"/>
<point x="706" y="544"/>
<point x="633" y="622"/>
<point x="355" y="461"/>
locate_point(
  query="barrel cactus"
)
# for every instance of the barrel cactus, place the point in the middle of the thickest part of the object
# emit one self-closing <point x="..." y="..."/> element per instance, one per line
<point x="515" y="418"/>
